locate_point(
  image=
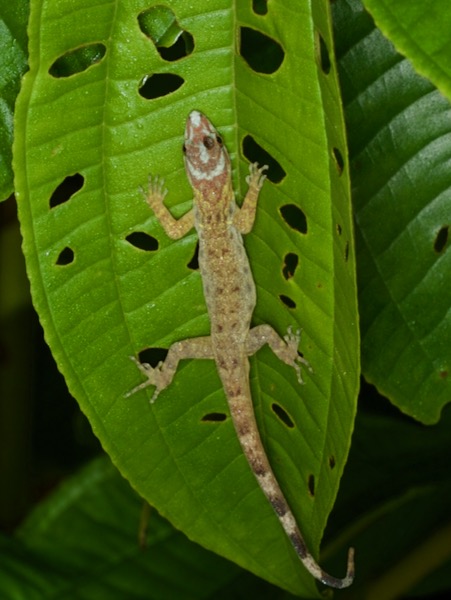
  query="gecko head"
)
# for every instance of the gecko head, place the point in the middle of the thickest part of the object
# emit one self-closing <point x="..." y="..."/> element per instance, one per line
<point x="206" y="158"/>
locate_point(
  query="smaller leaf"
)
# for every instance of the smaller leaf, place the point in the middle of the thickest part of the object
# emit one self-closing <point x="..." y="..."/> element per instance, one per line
<point x="399" y="132"/>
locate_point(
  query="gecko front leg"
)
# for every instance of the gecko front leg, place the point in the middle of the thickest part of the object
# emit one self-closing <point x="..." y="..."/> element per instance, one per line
<point x="245" y="216"/>
<point x="155" y="195"/>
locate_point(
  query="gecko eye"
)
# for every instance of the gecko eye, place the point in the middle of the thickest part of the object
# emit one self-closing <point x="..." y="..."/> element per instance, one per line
<point x="184" y="149"/>
<point x="208" y="142"/>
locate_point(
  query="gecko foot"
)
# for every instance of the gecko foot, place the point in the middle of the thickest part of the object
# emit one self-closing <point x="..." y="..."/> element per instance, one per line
<point x="153" y="375"/>
<point x="155" y="193"/>
<point x="256" y="175"/>
<point x="292" y="340"/>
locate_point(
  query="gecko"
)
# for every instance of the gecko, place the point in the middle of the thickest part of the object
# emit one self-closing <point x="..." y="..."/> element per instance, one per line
<point x="230" y="296"/>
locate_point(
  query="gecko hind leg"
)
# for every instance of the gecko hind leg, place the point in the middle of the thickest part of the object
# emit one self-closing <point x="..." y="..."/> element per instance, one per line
<point x="286" y="348"/>
<point x="150" y="373"/>
<point x="162" y="375"/>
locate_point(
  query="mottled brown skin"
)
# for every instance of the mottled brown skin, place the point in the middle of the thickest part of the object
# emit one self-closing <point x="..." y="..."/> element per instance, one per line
<point x="230" y="296"/>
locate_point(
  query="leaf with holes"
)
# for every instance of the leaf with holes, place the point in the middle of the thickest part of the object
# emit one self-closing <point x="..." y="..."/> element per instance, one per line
<point x="102" y="106"/>
<point x="399" y="133"/>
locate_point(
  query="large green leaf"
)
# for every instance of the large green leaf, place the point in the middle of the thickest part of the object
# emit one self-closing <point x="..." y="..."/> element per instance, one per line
<point x="422" y="32"/>
<point x="104" y="294"/>
<point x="399" y="132"/>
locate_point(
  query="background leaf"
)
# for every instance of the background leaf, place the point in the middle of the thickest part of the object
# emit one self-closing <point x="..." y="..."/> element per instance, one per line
<point x="399" y="132"/>
<point x="89" y="131"/>
<point x="82" y="542"/>
<point x="422" y="32"/>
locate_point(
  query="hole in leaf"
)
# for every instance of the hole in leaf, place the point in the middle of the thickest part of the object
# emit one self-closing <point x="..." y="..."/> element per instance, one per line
<point x="332" y="461"/>
<point x="143" y="241"/>
<point x="260" y="7"/>
<point x="66" y="257"/>
<point x="77" y="60"/>
<point x="160" y="25"/>
<point x="66" y="189"/>
<point x="291" y="262"/>
<point x="338" y="159"/>
<point x="152" y="356"/>
<point x="311" y="485"/>
<point x="322" y="54"/>
<point x="443" y="374"/>
<point x="287" y="301"/>
<point x="160" y="84"/>
<point x="262" y="53"/>
<point x="214" y="417"/>
<point x="184" y="46"/>
<point x="441" y="239"/>
<point x="339" y="229"/>
<point x="282" y="414"/>
<point x="294" y="217"/>
<point x="255" y="153"/>
<point x="194" y="262"/>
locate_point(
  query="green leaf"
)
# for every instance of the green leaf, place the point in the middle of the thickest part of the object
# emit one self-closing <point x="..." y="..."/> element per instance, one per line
<point x="13" y="63"/>
<point x="87" y="138"/>
<point x="422" y="32"/>
<point x="399" y="133"/>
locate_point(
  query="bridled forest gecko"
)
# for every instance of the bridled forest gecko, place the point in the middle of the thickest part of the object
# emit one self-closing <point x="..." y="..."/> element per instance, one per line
<point x="230" y="296"/>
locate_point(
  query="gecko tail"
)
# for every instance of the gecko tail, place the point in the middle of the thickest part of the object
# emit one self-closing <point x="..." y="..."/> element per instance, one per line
<point x="313" y="567"/>
<point x="275" y="496"/>
<point x="241" y="410"/>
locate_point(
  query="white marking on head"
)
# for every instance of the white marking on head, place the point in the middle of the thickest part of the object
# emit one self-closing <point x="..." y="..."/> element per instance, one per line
<point x="195" y="118"/>
<point x="208" y="175"/>
<point x="204" y="155"/>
